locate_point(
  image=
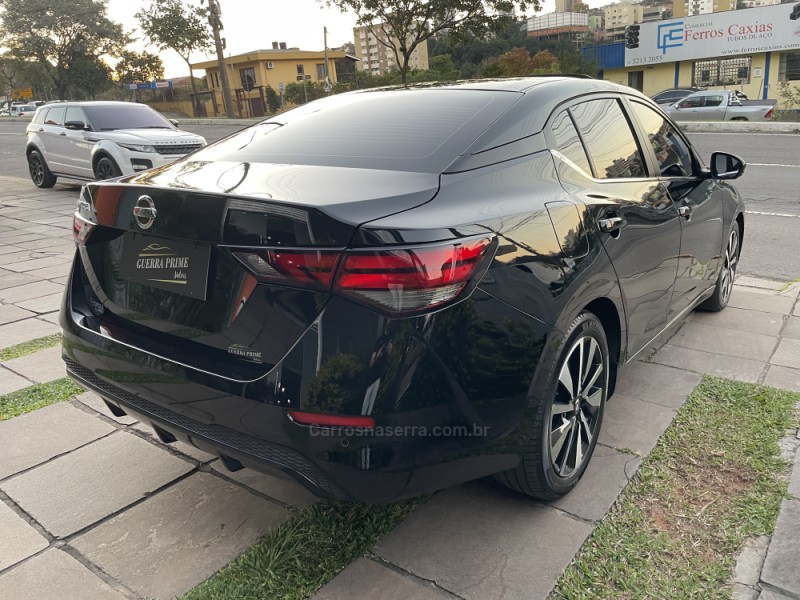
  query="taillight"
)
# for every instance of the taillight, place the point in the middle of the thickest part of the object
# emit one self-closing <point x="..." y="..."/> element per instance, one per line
<point x="411" y="279"/>
<point x="304" y="268"/>
<point x="769" y="113"/>
<point x="397" y="281"/>
<point x="307" y="418"/>
<point x="81" y="229"/>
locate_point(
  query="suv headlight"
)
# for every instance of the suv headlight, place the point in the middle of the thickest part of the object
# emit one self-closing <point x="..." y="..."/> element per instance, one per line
<point x="137" y="147"/>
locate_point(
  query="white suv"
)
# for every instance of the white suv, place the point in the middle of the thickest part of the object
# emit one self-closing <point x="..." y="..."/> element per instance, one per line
<point x="99" y="140"/>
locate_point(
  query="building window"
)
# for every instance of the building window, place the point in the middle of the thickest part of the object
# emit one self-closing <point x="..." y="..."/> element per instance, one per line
<point x="320" y="72"/>
<point x="726" y="71"/>
<point x="301" y="73"/>
<point x="789" y="67"/>
<point x="248" y="78"/>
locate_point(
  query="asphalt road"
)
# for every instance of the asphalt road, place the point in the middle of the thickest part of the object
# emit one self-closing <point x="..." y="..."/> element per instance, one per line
<point x="770" y="187"/>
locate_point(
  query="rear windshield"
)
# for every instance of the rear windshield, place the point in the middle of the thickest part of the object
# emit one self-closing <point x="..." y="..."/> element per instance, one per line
<point x="108" y="117"/>
<point x="404" y="130"/>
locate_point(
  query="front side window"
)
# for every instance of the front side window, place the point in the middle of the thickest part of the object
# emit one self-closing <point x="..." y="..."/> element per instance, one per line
<point x="672" y="153"/>
<point x="75" y="115"/>
<point x="609" y="140"/>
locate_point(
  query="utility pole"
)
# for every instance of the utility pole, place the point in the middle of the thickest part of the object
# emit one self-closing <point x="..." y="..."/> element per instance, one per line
<point x="327" y="74"/>
<point x="216" y="27"/>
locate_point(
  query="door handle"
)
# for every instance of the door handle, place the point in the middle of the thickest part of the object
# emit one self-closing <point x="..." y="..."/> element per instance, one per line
<point x="63" y="134"/>
<point x="685" y="211"/>
<point x="611" y="224"/>
<point x="41" y="129"/>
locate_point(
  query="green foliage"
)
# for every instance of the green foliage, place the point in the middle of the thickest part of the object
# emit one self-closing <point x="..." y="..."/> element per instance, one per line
<point x="410" y="24"/>
<point x="300" y="93"/>
<point x="516" y="63"/>
<point x="66" y="39"/>
<point x="30" y="347"/>
<point x="790" y="94"/>
<point x="273" y="101"/>
<point x="37" y="396"/>
<point x="135" y="67"/>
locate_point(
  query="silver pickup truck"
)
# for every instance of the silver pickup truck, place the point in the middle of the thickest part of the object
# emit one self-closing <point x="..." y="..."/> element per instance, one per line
<point x="718" y="105"/>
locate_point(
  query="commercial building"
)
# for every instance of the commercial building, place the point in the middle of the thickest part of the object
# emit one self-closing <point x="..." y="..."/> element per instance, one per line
<point x="750" y="50"/>
<point x="377" y="58"/>
<point x="691" y="8"/>
<point x="249" y="74"/>
<point x="619" y="16"/>
<point x="555" y="25"/>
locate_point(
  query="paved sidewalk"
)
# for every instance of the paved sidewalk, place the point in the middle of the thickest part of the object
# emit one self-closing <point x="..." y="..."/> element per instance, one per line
<point x="93" y="506"/>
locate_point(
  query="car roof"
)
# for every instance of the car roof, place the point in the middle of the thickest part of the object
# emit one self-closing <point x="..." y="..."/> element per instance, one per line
<point x="91" y="103"/>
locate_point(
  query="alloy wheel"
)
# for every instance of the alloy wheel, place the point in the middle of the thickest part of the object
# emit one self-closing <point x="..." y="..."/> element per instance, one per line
<point x="729" y="266"/>
<point x="575" y="413"/>
<point x="105" y="170"/>
<point x="36" y="169"/>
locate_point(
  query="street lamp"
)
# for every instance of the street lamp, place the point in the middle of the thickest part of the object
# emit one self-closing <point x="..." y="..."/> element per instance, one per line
<point x="216" y="27"/>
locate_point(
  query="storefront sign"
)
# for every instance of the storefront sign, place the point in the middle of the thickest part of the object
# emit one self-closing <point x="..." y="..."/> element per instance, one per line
<point x="730" y="33"/>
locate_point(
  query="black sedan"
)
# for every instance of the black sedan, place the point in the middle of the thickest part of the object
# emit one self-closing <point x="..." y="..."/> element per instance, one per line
<point x="387" y="292"/>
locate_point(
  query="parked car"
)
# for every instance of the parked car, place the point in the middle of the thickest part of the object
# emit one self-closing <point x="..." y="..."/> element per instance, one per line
<point x="24" y="110"/>
<point x="672" y="95"/>
<point x="718" y="106"/>
<point x="386" y="292"/>
<point x="99" y="140"/>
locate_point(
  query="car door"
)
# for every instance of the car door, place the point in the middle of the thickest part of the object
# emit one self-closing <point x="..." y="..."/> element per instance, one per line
<point x="712" y="108"/>
<point x="50" y="132"/>
<point x="687" y="109"/>
<point x="637" y="219"/>
<point x="697" y="200"/>
<point x="77" y="143"/>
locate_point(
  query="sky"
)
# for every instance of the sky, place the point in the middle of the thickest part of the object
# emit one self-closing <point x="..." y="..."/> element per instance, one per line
<point x="253" y="25"/>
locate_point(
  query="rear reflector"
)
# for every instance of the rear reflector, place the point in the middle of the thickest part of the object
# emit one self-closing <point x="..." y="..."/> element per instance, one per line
<point x="769" y="113"/>
<point x="81" y="228"/>
<point x="395" y="281"/>
<point x="306" y="418"/>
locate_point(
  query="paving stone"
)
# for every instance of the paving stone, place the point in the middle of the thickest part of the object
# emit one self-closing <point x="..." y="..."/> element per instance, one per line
<point x="607" y="474"/>
<point x="41" y="367"/>
<point x="80" y="488"/>
<point x="10" y="313"/>
<point x="780" y="569"/>
<point x="787" y="354"/>
<point x="794" y="482"/>
<point x="366" y="578"/>
<point x="792" y="329"/>
<point x="783" y="377"/>
<point x="43" y="304"/>
<point x="732" y="367"/>
<point x="97" y="404"/>
<point x="751" y="560"/>
<point x="171" y="542"/>
<point x="9" y="249"/>
<point x="17" y="332"/>
<point x="286" y="490"/>
<point x="20" y="540"/>
<point x="656" y="383"/>
<point x="9" y="279"/>
<point x="773" y="595"/>
<point x="634" y="424"/>
<point x="740" y="591"/>
<point x="739" y="319"/>
<point x="30" y="290"/>
<point x="182" y="447"/>
<point x="481" y="543"/>
<point x="28" y="266"/>
<point x="36" y="437"/>
<point x="756" y="282"/>
<point x="763" y="301"/>
<point x="729" y="342"/>
<point x="11" y="382"/>
<point x="55" y="574"/>
<point x="50" y="317"/>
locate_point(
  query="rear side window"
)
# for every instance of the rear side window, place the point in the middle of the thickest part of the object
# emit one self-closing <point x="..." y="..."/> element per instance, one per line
<point x="568" y="142"/>
<point x="609" y="139"/>
<point x="39" y="116"/>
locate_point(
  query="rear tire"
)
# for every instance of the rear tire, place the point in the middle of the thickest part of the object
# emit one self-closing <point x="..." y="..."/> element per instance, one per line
<point x="567" y="416"/>
<point x="40" y="174"/>
<point x="106" y="168"/>
<point x="724" y="286"/>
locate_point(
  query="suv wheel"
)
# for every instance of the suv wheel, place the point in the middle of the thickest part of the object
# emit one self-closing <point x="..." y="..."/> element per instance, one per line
<point x="40" y="174"/>
<point x="106" y="168"/>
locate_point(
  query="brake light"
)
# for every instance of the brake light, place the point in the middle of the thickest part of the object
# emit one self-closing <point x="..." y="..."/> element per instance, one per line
<point x="396" y="281"/>
<point x="410" y="280"/>
<point x="81" y="229"/>
<point x="769" y="113"/>
<point x="307" y="418"/>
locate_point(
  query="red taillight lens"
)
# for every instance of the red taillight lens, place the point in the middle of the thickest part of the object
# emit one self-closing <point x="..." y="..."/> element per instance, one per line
<point x="769" y="113"/>
<point x="410" y="280"/>
<point x="81" y="228"/>
<point x="294" y="267"/>
<point x="307" y="418"/>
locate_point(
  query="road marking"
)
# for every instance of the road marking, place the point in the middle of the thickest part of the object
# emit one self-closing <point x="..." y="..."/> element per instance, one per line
<point x="771" y="214"/>
<point x="771" y="165"/>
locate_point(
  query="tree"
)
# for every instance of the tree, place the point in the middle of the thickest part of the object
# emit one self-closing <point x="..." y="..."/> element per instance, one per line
<point x="168" y="24"/>
<point x="580" y="7"/>
<point x="58" y="34"/>
<point x="516" y="63"/>
<point x="273" y="101"/>
<point x="402" y="25"/>
<point x="135" y="67"/>
<point x="544" y="61"/>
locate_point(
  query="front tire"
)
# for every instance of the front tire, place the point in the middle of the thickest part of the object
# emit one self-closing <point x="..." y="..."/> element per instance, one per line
<point x="106" y="168"/>
<point x="40" y="174"/>
<point x="568" y="415"/>
<point x="724" y="286"/>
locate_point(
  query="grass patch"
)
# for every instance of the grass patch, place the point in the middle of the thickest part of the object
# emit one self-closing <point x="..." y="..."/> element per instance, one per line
<point x="30" y="347"/>
<point x="37" y="396"/>
<point x="304" y="553"/>
<point x="714" y="480"/>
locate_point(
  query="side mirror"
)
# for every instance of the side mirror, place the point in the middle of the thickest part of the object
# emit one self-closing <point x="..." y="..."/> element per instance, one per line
<point x="75" y="125"/>
<point x="174" y="122"/>
<point x="726" y="166"/>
